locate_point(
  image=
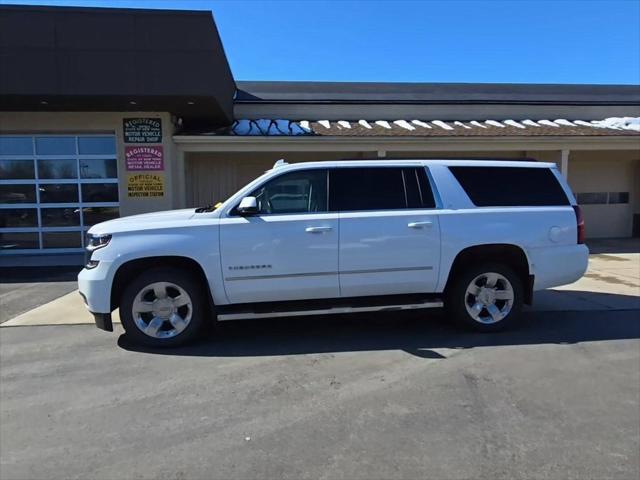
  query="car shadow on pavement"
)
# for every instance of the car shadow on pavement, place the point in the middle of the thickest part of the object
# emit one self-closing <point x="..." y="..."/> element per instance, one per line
<point x="415" y="332"/>
<point x="39" y="274"/>
<point x="614" y="245"/>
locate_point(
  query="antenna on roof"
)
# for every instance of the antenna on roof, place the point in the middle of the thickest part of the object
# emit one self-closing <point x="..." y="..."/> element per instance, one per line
<point x="280" y="163"/>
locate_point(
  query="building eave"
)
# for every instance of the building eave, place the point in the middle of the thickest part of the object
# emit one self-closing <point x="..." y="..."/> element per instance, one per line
<point x="439" y="102"/>
<point x="327" y="143"/>
<point x="434" y="93"/>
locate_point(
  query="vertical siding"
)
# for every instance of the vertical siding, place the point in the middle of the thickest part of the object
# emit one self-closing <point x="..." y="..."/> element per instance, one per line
<point x="214" y="177"/>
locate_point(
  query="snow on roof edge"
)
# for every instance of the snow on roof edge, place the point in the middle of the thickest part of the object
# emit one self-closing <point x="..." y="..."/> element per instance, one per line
<point x="285" y="127"/>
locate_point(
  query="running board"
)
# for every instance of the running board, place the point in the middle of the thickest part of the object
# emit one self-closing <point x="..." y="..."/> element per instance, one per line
<point x="329" y="311"/>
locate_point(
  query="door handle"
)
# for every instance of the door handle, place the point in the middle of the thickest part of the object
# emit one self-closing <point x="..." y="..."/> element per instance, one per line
<point x="317" y="229"/>
<point x="419" y="224"/>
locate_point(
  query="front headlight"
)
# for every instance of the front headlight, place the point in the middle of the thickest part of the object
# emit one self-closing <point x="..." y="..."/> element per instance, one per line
<point x="95" y="242"/>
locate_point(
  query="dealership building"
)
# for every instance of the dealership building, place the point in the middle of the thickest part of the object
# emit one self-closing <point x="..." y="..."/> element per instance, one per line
<point x="112" y="112"/>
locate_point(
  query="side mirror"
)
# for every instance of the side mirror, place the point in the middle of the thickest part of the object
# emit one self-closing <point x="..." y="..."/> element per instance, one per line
<point x="248" y="206"/>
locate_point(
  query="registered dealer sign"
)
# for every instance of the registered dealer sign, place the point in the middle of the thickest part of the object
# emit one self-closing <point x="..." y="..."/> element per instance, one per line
<point x="144" y="158"/>
<point x="142" y="130"/>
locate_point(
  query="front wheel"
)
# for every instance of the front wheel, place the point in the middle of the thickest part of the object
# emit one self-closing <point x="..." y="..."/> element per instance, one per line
<point x="163" y="307"/>
<point x="486" y="297"/>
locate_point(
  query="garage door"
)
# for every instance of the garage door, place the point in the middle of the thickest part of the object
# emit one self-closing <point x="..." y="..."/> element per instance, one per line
<point x="53" y="188"/>
<point x="604" y="189"/>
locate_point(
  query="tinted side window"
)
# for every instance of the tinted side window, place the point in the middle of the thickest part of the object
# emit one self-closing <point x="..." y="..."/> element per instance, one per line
<point x="510" y="186"/>
<point x="425" y="189"/>
<point x="358" y="189"/>
<point x="416" y="183"/>
<point x="295" y="192"/>
<point x="414" y="199"/>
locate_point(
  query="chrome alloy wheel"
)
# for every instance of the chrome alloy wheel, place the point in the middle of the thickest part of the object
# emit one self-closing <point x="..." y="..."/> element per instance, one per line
<point x="489" y="298"/>
<point x="162" y="310"/>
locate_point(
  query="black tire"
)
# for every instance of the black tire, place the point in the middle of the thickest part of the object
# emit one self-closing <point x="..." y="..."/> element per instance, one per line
<point x="457" y="298"/>
<point x="180" y="278"/>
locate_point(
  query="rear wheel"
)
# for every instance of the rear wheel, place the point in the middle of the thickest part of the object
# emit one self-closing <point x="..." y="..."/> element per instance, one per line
<point x="163" y="307"/>
<point x="487" y="297"/>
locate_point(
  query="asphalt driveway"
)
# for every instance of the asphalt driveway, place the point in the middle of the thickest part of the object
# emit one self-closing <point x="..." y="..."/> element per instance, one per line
<point x="394" y="395"/>
<point x="370" y="397"/>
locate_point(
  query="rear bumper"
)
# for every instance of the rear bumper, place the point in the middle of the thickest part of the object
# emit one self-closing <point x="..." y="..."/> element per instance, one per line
<point x="559" y="265"/>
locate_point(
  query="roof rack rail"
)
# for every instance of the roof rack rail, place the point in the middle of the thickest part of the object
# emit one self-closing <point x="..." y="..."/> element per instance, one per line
<point x="280" y="163"/>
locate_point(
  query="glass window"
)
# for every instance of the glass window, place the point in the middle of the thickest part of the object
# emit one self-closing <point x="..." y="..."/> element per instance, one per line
<point x="591" y="198"/>
<point x="510" y="186"/>
<point x="56" y="145"/>
<point x="16" y="145"/>
<point x="18" y="217"/>
<point x="618" y="197"/>
<point x="61" y="240"/>
<point x="48" y="169"/>
<point x="416" y="183"/>
<point x="99" y="192"/>
<point x="18" y="193"/>
<point x="58" y="193"/>
<point x="43" y="181"/>
<point x="428" y="200"/>
<point x="360" y="189"/>
<point x="102" y="168"/>
<point x="294" y="192"/>
<point x="14" y="241"/>
<point x="96" y="145"/>
<point x="60" y="217"/>
<point x="414" y="200"/>
<point x="93" y="215"/>
<point x="16" y="170"/>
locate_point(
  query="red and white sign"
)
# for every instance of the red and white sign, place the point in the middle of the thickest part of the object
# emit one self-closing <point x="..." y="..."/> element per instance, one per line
<point x="144" y="158"/>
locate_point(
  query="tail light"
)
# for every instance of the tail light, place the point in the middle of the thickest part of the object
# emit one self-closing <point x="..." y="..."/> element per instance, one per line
<point x="580" y="223"/>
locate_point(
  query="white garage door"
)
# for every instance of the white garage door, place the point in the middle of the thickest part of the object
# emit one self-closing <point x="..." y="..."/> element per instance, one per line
<point x="604" y="189"/>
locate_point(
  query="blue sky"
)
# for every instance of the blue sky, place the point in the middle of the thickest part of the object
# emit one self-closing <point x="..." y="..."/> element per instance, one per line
<point x="518" y="41"/>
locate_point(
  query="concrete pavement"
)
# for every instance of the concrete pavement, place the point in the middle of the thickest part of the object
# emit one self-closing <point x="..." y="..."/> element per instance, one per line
<point x="23" y="289"/>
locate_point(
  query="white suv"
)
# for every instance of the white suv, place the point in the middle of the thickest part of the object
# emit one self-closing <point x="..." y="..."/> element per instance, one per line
<point x="477" y="237"/>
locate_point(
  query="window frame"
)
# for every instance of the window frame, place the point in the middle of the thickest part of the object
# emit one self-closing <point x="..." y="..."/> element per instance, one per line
<point x="37" y="182"/>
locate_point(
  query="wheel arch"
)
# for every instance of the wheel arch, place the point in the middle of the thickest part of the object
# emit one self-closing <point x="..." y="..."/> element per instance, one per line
<point x="132" y="268"/>
<point x="509" y="254"/>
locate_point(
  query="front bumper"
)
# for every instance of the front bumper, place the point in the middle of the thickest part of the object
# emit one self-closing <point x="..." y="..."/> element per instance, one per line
<point x="95" y="287"/>
<point x="103" y="321"/>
